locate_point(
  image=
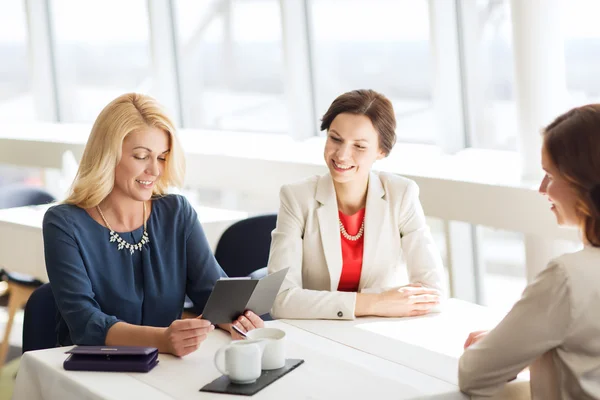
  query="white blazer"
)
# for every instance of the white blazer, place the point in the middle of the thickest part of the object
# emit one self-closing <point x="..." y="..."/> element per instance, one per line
<point x="398" y="247"/>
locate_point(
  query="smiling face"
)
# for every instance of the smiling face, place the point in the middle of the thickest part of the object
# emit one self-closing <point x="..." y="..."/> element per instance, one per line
<point x="560" y="193"/>
<point x="142" y="163"/>
<point x="352" y="147"/>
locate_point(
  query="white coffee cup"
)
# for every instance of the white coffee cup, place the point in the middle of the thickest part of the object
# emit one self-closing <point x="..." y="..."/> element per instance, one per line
<point x="274" y="350"/>
<point x="242" y="361"/>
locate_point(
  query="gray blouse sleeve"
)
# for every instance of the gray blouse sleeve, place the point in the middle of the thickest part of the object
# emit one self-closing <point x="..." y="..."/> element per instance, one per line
<point x="537" y="323"/>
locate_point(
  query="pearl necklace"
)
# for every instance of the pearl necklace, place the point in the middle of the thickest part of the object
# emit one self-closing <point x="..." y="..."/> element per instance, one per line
<point x="351" y="237"/>
<point x="122" y="243"/>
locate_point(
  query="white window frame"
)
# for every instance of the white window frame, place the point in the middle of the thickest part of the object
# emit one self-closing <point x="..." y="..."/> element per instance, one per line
<point x="44" y="81"/>
<point x="166" y="84"/>
<point x="298" y="71"/>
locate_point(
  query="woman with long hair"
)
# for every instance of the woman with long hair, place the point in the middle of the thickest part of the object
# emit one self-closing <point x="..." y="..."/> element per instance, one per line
<point x="121" y="253"/>
<point x="554" y="328"/>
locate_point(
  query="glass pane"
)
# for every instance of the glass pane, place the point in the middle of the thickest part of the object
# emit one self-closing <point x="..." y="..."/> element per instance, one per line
<point x="436" y="227"/>
<point x="487" y="38"/>
<point x="505" y="277"/>
<point x="102" y="52"/>
<point x="375" y="44"/>
<point x="582" y="50"/>
<point x="231" y="62"/>
<point x="16" y="100"/>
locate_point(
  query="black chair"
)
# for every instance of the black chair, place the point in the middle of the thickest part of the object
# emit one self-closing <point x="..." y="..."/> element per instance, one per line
<point x="243" y="249"/>
<point x="20" y="286"/>
<point x="39" y="321"/>
<point x="22" y="195"/>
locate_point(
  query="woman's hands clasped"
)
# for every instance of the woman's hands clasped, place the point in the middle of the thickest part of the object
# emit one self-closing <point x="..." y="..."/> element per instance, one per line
<point x="406" y="301"/>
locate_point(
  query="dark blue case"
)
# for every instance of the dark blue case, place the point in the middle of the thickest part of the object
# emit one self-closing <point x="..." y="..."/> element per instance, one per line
<point x="111" y="358"/>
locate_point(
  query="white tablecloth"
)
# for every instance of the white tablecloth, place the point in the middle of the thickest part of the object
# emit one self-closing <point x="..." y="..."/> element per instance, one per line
<point x="331" y="371"/>
<point x="431" y="344"/>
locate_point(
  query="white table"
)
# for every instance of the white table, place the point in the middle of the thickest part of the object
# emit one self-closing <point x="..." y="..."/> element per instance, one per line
<point x="22" y="248"/>
<point x="331" y="370"/>
<point x="431" y="344"/>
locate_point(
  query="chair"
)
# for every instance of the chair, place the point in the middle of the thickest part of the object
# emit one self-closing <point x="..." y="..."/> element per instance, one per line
<point x="21" y="195"/>
<point x="243" y="249"/>
<point x="39" y="321"/>
<point x="20" y="286"/>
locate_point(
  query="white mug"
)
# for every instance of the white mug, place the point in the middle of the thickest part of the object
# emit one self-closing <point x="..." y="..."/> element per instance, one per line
<point x="274" y="350"/>
<point x="242" y="361"/>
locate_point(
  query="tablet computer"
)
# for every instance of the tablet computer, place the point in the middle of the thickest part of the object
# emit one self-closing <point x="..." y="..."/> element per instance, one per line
<point x="232" y="296"/>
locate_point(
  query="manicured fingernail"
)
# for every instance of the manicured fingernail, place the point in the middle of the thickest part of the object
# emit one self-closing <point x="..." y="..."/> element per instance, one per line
<point x="247" y="313"/>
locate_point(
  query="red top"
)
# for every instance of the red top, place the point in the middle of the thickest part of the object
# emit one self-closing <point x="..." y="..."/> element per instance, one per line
<point x="352" y="252"/>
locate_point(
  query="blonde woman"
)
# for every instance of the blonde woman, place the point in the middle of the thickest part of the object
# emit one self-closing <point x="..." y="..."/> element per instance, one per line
<point x="121" y="253"/>
<point x="356" y="240"/>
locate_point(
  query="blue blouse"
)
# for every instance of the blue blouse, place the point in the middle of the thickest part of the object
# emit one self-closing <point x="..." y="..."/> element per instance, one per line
<point x="96" y="285"/>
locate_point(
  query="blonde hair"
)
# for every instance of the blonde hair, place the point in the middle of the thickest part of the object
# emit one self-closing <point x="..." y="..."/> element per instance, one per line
<point x="126" y="114"/>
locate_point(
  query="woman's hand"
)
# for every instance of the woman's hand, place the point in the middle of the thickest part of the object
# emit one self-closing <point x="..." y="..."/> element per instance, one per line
<point x="184" y="336"/>
<point x="406" y="301"/>
<point x="475" y="337"/>
<point x="246" y="323"/>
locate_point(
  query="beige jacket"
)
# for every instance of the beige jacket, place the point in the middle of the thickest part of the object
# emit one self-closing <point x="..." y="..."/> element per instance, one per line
<point x="554" y="329"/>
<point x="398" y="247"/>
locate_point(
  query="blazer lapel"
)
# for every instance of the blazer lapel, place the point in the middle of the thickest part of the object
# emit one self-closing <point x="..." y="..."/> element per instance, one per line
<point x="375" y="213"/>
<point x="328" y="217"/>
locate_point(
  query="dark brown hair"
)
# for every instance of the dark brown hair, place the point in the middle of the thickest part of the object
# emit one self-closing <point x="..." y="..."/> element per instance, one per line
<point x="572" y="141"/>
<point x="374" y="105"/>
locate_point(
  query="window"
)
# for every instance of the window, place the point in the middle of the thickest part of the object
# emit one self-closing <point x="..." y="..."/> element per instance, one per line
<point x="102" y="51"/>
<point x="436" y="227"/>
<point x="487" y="40"/>
<point x="582" y="50"/>
<point x="16" y="99"/>
<point x="503" y="257"/>
<point x="231" y="64"/>
<point x="376" y="44"/>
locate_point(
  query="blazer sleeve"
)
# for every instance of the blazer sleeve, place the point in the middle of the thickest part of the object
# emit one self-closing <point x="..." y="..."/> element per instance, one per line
<point x="293" y="301"/>
<point x="537" y="323"/>
<point x="71" y="286"/>
<point x="423" y="259"/>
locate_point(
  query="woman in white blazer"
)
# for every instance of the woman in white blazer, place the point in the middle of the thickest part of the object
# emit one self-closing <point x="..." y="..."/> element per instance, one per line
<point x="555" y="327"/>
<point x="356" y="241"/>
